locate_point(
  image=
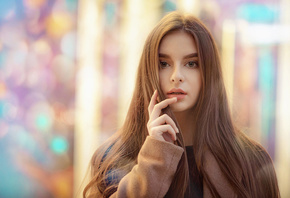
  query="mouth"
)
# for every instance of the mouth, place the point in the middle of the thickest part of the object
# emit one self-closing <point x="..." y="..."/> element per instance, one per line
<point x="178" y="93"/>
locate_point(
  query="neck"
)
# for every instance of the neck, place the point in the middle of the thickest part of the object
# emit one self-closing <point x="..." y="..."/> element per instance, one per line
<point x="186" y="123"/>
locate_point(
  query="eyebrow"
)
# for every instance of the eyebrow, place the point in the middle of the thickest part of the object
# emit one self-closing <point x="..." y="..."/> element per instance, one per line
<point x="185" y="57"/>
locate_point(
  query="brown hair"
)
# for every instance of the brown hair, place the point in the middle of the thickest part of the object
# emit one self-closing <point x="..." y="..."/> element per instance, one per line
<point x="239" y="158"/>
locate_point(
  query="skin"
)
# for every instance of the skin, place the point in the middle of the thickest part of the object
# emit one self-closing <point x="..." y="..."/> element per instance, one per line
<point x="178" y="69"/>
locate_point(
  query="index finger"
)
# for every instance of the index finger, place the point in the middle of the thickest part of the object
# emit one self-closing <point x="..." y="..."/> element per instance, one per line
<point x="155" y="113"/>
<point x="152" y="101"/>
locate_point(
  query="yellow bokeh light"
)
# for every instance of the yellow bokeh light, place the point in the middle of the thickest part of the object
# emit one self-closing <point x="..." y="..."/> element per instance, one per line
<point x="58" y="24"/>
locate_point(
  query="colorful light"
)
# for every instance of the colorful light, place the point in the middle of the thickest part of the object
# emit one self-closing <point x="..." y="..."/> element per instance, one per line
<point x="58" y="24"/>
<point x="59" y="145"/>
<point x="258" y="13"/>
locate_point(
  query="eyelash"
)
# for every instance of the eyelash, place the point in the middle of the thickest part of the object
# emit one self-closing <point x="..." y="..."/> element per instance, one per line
<point x="164" y="64"/>
<point x="193" y="66"/>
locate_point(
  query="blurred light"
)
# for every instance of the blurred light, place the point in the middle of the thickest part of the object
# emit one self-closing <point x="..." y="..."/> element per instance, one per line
<point x="20" y="53"/>
<point x="21" y="137"/>
<point x="71" y="4"/>
<point x="63" y="115"/>
<point x="10" y="110"/>
<point x="43" y="51"/>
<point x="59" y="145"/>
<point x="33" y="98"/>
<point x="33" y="78"/>
<point x="228" y="56"/>
<point x="34" y="3"/>
<point x="110" y="10"/>
<point x="267" y="83"/>
<point x="68" y="43"/>
<point x="43" y="121"/>
<point x="2" y="108"/>
<point x="69" y="117"/>
<point x="2" y="90"/>
<point x="58" y="23"/>
<point x="40" y="116"/>
<point x="7" y="8"/>
<point x="63" y="67"/>
<point x="12" y="34"/>
<point x="258" y="13"/>
<point x="169" y="5"/>
<point x="190" y="6"/>
<point x="16" y="62"/>
<point x="3" y="127"/>
<point x="267" y="73"/>
<point x="9" y="107"/>
<point x="265" y="34"/>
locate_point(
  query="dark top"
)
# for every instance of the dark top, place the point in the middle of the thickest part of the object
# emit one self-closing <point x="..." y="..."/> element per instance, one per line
<point x="195" y="188"/>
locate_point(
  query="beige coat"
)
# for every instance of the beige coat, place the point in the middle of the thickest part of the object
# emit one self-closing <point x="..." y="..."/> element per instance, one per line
<point x="156" y="165"/>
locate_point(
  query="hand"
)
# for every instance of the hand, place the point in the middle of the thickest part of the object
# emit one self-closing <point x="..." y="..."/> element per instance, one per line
<point x="161" y="127"/>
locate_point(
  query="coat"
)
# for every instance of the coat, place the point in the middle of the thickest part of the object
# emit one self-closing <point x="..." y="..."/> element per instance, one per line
<point x="156" y="165"/>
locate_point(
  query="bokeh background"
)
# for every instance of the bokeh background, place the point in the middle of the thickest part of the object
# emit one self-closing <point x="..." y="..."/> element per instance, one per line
<point x="67" y="72"/>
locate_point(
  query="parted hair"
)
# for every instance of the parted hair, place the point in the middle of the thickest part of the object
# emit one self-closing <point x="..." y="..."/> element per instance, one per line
<point x="245" y="164"/>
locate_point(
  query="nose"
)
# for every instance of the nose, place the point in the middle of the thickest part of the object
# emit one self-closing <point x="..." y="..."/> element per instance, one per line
<point x="177" y="75"/>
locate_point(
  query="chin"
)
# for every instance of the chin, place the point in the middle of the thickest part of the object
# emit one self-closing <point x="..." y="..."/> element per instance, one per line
<point x="178" y="108"/>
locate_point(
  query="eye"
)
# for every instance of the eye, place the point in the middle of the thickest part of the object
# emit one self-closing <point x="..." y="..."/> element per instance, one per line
<point x="192" y="64"/>
<point x="163" y="64"/>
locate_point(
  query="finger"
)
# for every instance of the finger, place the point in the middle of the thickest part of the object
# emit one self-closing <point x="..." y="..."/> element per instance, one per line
<point x="159" y="130"/>
<point x="152" y="101"/>
<point x="155" y="113"/>
<point x="167" y="137"/>
<point x="164" y="119"/>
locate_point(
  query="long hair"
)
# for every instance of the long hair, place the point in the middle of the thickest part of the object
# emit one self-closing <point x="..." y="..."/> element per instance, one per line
<point x="238" y="157"/>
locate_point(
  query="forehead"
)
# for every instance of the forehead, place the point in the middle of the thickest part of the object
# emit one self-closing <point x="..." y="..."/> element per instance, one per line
<point x="177" y="42"/>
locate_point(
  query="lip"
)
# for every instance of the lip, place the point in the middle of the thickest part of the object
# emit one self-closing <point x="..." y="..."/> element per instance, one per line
<point x="178" y="93"/>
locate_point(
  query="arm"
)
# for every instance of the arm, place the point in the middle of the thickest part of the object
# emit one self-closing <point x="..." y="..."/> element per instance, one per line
<point x="158" y="158"/>
<point x="153" y="173"/>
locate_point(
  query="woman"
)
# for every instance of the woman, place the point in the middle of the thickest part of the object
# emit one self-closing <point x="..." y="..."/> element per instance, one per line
<point x="178" y="139"/>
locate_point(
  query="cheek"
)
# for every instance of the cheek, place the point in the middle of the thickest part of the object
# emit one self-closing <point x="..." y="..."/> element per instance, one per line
<point x="162" y="80"/>
<point x="196" y="82"/>
<point x="199" y="85"/>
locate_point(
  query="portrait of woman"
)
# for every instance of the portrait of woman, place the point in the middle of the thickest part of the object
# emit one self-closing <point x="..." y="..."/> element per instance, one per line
<point x="179" y="138"/>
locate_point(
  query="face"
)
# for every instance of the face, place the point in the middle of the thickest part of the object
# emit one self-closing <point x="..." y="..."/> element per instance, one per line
<point x="179" y="72"/>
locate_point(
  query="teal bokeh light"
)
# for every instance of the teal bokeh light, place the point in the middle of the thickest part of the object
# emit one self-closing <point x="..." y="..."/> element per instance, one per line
<point x="43" y="122"/>
<point x="169" y="6"/>
<point x="59" y="145"/>
<point x="267" y="80"/>
<point x="258" y="13"/>
<point x="111" y="9"/>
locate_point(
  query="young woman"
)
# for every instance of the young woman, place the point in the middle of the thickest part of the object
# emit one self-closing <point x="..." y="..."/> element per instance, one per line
<point x="178" y="139"/>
